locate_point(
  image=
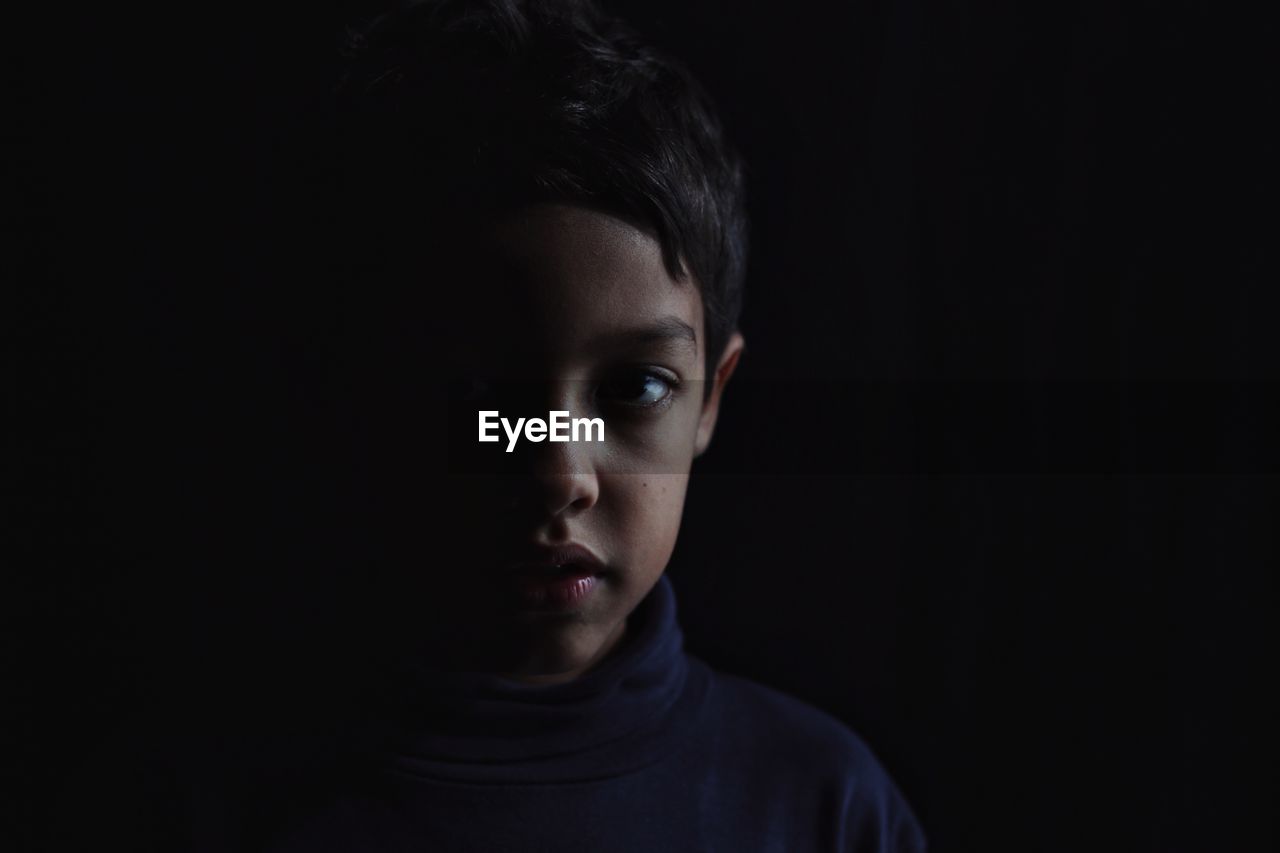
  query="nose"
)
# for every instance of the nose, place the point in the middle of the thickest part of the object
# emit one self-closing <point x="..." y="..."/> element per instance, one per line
<point x="561" y="479"/>
<point x="560" y="476"/>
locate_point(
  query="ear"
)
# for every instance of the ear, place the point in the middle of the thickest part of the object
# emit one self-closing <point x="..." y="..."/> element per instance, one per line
<point x="711" y="408"/>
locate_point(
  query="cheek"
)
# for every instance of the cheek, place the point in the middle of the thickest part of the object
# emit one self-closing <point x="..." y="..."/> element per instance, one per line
<point x="647" y="520"/>
<point x="660" y="447"/>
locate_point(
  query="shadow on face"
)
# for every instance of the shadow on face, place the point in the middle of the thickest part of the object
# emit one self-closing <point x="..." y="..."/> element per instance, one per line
<point x="554" y="308"/>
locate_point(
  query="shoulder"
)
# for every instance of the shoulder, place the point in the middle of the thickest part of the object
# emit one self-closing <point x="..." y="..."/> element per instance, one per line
<point x="809" y="752"/>
<point x="787" y="727"/>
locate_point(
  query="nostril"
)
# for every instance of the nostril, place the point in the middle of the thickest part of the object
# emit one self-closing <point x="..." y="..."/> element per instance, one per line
<point x="549" y="495"/>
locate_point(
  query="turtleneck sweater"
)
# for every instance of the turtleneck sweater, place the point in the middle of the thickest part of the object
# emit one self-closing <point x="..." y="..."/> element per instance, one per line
<point x="651" y="750"/>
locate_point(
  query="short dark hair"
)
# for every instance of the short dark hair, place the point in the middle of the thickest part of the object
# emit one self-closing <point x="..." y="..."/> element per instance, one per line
<point x="458" y="108"/>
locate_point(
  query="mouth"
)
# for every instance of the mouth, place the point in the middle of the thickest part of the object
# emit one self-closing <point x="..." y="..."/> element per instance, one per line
<point x="555" y="579"/>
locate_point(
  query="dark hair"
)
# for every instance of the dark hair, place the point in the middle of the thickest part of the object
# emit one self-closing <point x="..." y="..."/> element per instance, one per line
<point x="458" y="109"/>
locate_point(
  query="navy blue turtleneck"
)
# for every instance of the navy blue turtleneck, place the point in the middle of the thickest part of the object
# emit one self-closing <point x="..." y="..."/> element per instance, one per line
<point x="650" y="751"/>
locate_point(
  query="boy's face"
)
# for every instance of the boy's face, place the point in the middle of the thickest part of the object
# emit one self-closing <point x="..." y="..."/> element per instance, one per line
<point x="568" y="309"/>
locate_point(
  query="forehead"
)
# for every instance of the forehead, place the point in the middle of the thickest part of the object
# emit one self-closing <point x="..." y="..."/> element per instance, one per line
<point x="561" y="281"/>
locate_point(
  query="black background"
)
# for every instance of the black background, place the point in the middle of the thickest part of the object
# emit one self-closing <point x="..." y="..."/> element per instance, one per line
<point x="994" y="485"/>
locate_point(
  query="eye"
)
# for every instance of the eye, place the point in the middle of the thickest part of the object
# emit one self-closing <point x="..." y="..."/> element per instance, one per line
<point x="641" y="388"/>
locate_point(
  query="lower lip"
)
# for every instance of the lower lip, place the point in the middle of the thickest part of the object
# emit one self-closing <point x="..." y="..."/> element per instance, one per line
<point x="554" y="592"/>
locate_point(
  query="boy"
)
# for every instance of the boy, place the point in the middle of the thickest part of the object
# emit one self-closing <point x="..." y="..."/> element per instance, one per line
<point x="564" y="224"/>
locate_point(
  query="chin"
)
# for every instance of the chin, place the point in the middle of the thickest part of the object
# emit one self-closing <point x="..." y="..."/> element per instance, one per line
<point x="549" y="649"/>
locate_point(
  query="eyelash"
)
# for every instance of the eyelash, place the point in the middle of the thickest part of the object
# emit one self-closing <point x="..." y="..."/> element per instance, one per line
<point x="646" y="374"/>
<point x="477" y="390"/>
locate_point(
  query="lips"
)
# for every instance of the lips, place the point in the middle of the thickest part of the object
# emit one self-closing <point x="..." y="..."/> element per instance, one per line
<point x="557" y="561"/>
<point x="555" y="578"/>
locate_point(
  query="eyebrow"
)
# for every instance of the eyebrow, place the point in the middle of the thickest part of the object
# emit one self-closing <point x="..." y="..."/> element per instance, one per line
<point x="664" y="330"/>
